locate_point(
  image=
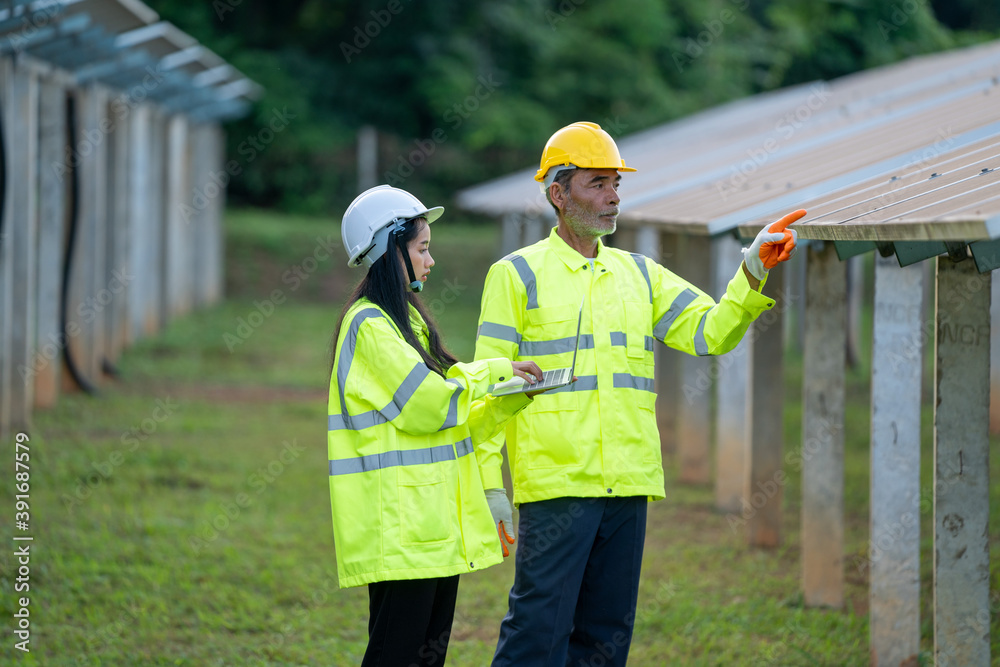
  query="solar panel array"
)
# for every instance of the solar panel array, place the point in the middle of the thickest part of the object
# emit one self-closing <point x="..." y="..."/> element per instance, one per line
<point x="120" y="44"/>
<point x="902" y="153"/>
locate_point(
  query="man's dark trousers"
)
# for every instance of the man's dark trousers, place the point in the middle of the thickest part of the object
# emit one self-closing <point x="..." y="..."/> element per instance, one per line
<point x="576" y="583"/>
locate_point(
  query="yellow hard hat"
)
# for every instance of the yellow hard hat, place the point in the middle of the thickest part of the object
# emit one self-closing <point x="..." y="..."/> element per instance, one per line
<point x="584" y="145"/>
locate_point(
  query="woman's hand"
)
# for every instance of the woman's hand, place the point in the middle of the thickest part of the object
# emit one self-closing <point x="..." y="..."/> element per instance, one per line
<point x="526" y="369"/>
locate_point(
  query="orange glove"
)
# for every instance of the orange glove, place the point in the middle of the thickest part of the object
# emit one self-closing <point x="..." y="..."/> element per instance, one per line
<point x="502" y="532"/>
<point x="503" y="516"/>
<point x="773" y="244"/>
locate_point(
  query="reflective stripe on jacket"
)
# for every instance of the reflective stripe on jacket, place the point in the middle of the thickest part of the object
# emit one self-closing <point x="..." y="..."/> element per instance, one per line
<point x="407" y="498"/>
<point x="598" y="436"/>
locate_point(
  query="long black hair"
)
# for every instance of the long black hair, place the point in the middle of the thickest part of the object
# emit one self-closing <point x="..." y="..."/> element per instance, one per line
<point x="386" y="285"/>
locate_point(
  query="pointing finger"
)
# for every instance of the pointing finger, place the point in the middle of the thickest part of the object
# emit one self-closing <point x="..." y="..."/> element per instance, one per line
<point x="780" y="225"/>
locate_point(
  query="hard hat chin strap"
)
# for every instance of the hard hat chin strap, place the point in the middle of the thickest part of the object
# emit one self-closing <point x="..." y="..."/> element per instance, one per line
<point x="397" y="233"/>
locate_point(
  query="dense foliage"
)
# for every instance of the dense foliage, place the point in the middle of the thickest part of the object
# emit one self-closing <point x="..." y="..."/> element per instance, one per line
<point x="463" y="90"/>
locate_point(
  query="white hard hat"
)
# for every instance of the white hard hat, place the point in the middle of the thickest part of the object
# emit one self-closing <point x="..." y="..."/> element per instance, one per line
<point x="370" y="217"/>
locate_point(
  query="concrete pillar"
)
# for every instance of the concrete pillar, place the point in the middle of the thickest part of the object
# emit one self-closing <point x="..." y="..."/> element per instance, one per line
<point x="732" y="377"/>
<point x="194" y="209"/>
<point x="624" y="238"/>
<point x="139" y="207"/>
<point x="94" y="182"/>
<point x="961" y="466"/>
<point x="214" y="219"/>
<point x="367" y="158"/>
<point x="53" y="175"/>
<point x="117" y="276"/>
<point x="668" y="385"/>
<point x="823" y="363"/>
<point x="995" y="353"/>
<point x="21" y="135"/>
<point x="510" y="233"/>
<point x="765" y="479"/>
<point x="85" y="307"/>
<point x="795" y="283"/>
<point x="647" y="242"/>
<point x="7" y="371"/>
<point x="855" y="299"/>
<point x="694" y="421"/>
<point x="893" y="562"/>
<point x="155" y="238"/>
<point x="177" y="249"/>
<point x="535" y="229"/>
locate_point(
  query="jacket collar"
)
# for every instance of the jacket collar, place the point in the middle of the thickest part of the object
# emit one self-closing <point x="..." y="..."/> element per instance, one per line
<point x="573" y="260"/>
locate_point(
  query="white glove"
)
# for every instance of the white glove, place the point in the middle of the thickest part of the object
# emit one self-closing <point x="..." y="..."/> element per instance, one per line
<point x="773" y="244"/>
<point x="503" y="516"/>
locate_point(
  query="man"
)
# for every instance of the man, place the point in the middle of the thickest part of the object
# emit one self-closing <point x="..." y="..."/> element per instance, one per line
<point x="586" y="457"/>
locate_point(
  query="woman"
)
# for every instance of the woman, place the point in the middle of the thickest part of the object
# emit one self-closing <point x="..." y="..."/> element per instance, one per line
<point x="409" y="510"/>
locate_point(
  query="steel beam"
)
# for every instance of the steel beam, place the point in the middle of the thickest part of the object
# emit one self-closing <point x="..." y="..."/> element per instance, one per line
<point x="18" y="42"/>
<point x="847" y="249"/>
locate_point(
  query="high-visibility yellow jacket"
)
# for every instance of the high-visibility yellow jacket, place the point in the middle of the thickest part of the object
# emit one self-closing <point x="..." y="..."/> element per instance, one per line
<point x="598" y="436"/>
<point x="408" y="501"/>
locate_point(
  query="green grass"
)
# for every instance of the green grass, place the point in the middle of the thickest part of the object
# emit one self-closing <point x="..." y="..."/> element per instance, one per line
<point x="169" y="530"/>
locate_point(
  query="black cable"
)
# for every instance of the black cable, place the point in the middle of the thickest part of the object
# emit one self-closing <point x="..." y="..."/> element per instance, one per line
<point x="397" y="234"/>
<point x="74" y="214"/>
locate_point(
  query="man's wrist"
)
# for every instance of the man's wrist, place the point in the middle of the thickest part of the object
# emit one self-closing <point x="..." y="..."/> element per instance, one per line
<point x="751" y="278"/>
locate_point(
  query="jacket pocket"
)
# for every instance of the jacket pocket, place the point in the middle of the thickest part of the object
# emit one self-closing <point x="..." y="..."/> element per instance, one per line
<point x="549" y="330"/>
<point x="426" y="508"/>
<point x="647" y="427"/>
<point x="554" y="426"/>
<point x="638" y="320"/>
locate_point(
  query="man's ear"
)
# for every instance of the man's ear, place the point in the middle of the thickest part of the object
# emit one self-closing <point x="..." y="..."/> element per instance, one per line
<point x="557" y="195"/>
